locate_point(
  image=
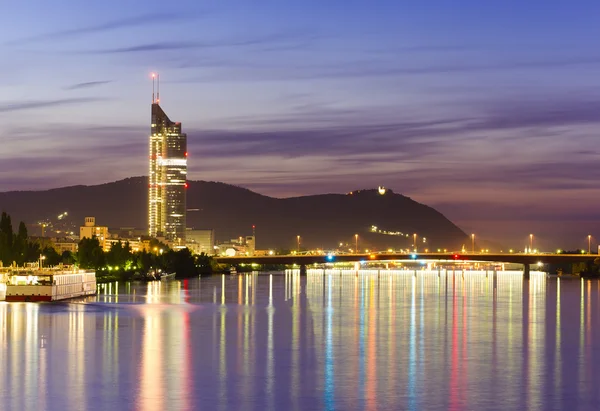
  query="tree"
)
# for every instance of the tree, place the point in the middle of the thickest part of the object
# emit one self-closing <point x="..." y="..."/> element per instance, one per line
<point x="6" y="239"/>
<point x="67" y="258"/>
<point x="120" y="256"/>
<point x="32" y="251"/>
<point x="180" y="262"/>
<point x="204" y="264"/>
<point x="90" y="254"/>
<point x="52" y="257"/>
<point x="20" y="245"/>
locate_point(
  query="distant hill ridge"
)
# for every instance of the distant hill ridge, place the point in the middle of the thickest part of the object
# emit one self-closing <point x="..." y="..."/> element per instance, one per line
<point x="322" y="220"/>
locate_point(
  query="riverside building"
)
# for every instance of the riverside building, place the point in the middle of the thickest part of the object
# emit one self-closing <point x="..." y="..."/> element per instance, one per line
<point x="167" y="177"/>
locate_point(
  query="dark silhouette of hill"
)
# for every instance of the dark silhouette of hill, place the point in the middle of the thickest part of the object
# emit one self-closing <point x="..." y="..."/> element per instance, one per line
<point x="321" y="220"/>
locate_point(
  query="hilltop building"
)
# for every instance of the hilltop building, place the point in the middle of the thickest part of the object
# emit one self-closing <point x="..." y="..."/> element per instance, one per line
<point x="167" y="177"/>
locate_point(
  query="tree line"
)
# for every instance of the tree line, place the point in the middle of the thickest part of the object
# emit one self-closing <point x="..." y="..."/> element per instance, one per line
<point x="16" y="248"/>
<point x="120" y="262"/>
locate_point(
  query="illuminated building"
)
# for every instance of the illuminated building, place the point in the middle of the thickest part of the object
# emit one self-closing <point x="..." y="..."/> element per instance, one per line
<point x="167" y="178"/>
<point x="201" y="241"/>
<point x="90" y="230"/>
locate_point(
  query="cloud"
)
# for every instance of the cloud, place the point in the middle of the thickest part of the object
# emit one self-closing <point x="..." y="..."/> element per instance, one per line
<point x="273" y="42"/>
<point x="30" y="105"/>
<point x="128" y="22"/>
<point x="87" y="84"/>
<point x="247" y="71"/>
<point x="536" y="126"/>
<point x="149" y="47"/>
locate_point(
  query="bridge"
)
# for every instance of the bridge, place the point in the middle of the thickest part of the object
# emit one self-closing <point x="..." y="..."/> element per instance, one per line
<point x="510" y="258"/>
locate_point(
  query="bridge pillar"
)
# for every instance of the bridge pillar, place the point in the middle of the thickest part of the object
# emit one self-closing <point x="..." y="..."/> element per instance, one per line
<point x="526" y="271"/>
<point x="303" y="269"/>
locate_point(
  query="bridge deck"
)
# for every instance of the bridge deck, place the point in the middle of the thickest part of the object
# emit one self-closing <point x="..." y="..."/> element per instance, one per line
<point x="442" y="257"/>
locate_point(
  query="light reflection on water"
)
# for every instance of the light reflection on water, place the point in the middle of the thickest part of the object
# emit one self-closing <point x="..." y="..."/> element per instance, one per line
<point x="330" y="340"/>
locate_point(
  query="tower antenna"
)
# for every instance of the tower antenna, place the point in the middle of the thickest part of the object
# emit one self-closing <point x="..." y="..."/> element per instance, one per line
<point x="153" y="76"/>
<point x="158" y="88"/>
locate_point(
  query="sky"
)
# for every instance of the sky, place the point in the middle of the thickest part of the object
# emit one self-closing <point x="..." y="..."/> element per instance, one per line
<point x="487" y="111"/>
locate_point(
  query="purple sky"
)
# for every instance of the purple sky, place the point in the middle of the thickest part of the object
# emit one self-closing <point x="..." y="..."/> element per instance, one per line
<point x="487" y="111"/>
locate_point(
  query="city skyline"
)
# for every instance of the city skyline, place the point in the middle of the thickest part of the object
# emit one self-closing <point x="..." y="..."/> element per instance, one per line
<point x="486" y="112"/>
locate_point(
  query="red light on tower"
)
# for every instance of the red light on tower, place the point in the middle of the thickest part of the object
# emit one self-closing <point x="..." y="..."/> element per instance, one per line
<point x="186" y="185"/>
<point x="185" y="154"/>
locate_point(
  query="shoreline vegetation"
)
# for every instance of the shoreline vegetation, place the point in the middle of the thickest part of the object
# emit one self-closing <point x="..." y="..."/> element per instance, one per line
<point x="121" y="263"/>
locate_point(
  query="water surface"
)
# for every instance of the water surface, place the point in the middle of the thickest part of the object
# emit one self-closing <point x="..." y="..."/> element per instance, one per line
<point x="379" y="340"/>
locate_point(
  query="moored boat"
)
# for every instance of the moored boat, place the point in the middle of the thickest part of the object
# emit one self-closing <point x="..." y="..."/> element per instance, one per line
<point x="167" y="276"/>
<point x="50" y="285"/>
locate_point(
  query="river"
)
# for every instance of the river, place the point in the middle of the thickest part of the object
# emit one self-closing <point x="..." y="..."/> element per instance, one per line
<point x="376" y="340"/>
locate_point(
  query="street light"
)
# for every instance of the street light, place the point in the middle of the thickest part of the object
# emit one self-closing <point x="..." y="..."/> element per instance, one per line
<point x="415" y="241"/>
<point x="472" y="243"/>
<point x="298" y="240"/>
<point x="589" y="244"/>
<point x="356" y="241"/>
<point x="530" y="243"/>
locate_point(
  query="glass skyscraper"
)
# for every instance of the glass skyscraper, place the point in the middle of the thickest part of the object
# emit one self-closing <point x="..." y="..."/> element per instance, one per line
<point x="167" y="180"/>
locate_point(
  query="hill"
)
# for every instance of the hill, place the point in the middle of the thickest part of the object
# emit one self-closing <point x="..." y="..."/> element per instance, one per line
<point x="321" y="220"/>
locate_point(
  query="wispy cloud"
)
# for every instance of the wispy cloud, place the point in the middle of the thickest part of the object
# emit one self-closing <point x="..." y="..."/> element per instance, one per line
<point x="87" y="84"/>
<point x="252" y="70"/>
<point x="278" y="41"/>
<point x="30" y="105"/>
<point x="128" y="22"/>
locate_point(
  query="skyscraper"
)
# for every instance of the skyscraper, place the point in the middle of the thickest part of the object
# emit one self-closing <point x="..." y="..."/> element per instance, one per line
<point x="167" y="179"/>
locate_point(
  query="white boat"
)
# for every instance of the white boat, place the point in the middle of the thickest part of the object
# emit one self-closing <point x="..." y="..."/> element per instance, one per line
<point x="167" y="276"/>
<point x="50" y="285"/>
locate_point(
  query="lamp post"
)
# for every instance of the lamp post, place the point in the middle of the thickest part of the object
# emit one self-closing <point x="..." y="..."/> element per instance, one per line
<point x="415" y="241"/>
<point x="472" y="243"/>
<point x="356" y="242"/>
<point x="298" y="243"/>
<point x="589" y="244"/>
<point x="530" y="243"/>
